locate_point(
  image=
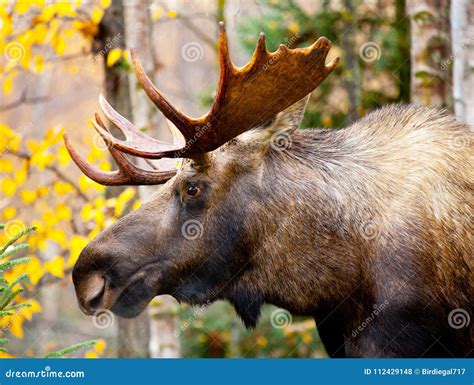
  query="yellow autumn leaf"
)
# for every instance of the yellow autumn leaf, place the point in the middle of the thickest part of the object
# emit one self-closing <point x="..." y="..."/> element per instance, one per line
<point x="136" y="205"/>
<point x="42" y="191"/>
<point x="9" y="213"/>
<point x="16" y="326"/>
<point x="63" y="156"/>
<point x="57" y="236"/>
<point x="9" y="140"/>
<point x="21" y="174"/>
<point x="64" y="8"/>
<point x="16" y="320"/>
<point x="41" y="160"/>
<point x="47" y="13"/>
<point x="114" y="55"/>
<point x="38" y="64"/>
<point x="6" y="165"/>
<point x="35" y="307"/>
<point x="40" y="31"/>
<point x="87" y="212"/>
<point x="28" y="196"/>
<point x="59" y="44"/>
<point x="22" y="7"/>
<point x="62" y="188"/>
<point x="7" y="85"/>
<point x="85" y="184"/>
<point x="8" y="187"/>
<point x="293" y="27"/>
<point x="91" y="354"/>
<point x="76" y="244"/>
<point x="63" y="212"/>
<point x="100" y="346"/>
<point x="157" y="14"/>
<point x="123" y="199"/>
<point x="100" y="202"/>
<point x="34" y="269"/>
<point x="53" y="136"/>
<point x="96" y="15"/>
<point x="55" y="267"/>
<point x="105" y="3"/>
<point x="307" y="338"/>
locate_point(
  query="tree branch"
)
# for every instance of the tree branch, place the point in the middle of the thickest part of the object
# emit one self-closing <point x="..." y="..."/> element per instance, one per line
<point x="56" y="171"/>
<point x="23" y="99"/>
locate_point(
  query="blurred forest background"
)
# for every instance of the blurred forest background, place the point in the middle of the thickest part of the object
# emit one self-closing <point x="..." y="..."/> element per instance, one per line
<point x="58" y="56"/>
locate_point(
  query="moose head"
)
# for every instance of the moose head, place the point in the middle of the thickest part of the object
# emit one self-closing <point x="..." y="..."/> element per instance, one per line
<point x="206" y="232"/>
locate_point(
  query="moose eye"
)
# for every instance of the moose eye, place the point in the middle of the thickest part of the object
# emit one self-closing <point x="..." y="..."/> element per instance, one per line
<point x="193" y="190"/>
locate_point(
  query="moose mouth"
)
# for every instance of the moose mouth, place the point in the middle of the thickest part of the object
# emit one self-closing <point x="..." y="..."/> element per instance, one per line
<point x="134" y="298"/>
<point x="126" y="301"/>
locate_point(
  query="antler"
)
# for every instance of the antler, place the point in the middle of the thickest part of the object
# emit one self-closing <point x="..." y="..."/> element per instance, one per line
<point x="246" y="97"/>
<point x="127" y="173"/>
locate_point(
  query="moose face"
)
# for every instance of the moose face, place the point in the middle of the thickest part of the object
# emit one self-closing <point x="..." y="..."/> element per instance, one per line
<point x="187" y="241"/>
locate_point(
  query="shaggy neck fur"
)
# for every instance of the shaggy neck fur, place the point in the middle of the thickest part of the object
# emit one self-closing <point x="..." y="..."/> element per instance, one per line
<point x="340" y="209"/>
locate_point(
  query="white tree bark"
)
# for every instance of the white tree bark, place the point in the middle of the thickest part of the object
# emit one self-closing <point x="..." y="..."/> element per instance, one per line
<point x="164" y="342"/>
<point x="430" y="72"/>
<point x="462" y="34"/>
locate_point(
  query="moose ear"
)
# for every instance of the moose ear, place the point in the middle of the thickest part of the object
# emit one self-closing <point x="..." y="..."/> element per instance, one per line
<point x="285" y="121"/>
<point x="288" y="120"/>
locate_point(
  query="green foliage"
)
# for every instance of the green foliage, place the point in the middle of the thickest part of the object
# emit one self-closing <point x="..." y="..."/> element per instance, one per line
<point x="218" y="332"/>
<point x="71" y="349"/>
<point x="289" y="23"/>
<point x="9" y="291"/>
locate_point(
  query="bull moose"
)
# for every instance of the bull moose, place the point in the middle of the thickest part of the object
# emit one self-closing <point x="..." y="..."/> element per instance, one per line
<point x="330" y="224"/>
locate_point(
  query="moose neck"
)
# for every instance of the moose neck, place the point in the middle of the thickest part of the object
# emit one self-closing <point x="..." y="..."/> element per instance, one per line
<point x="302" y="259"/>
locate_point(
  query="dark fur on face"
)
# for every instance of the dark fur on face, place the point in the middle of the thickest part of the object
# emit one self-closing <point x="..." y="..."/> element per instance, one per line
<point x="336" y="225"/>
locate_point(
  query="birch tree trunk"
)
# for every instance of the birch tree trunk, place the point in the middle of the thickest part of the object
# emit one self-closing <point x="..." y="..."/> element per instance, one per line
<point x="351" y="83"/>
<point x="430" y="49"/>
<point x="133" y="334"/>
<point x="462" y="35"/>
<point x="162" y="312"/>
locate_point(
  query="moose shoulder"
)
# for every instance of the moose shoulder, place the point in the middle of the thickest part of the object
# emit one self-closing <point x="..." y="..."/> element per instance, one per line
<point x="368" y="229"/>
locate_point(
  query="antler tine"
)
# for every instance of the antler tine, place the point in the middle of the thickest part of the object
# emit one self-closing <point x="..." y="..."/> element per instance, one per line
<point x="127" y="173"/>
<point x="184" y="123"/>
<point x="137" y="143"/>
<point x="108" y="178"/>
<point x="225" y="62"/>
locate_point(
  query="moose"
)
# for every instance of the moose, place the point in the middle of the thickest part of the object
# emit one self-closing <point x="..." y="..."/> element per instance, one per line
<point x="368" y="229"/>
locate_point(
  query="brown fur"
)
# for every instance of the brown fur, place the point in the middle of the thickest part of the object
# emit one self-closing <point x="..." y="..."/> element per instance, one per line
<point x="331" y="225"/>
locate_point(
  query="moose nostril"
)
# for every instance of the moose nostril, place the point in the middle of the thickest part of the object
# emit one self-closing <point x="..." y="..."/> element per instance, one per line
<point x="91" y="293"/>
